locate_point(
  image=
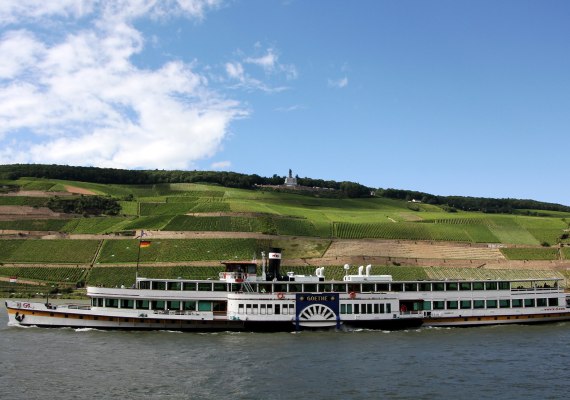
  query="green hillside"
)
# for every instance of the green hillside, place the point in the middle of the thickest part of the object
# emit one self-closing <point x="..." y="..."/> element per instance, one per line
<point x="201" y="207"/>
<point x="303" y="223"/>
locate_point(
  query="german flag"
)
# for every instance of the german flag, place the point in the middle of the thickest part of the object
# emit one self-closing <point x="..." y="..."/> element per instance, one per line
<point x="144" y="243"/>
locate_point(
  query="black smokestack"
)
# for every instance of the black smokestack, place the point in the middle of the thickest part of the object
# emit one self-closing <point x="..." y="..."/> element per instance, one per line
<point x="274" y="264"/>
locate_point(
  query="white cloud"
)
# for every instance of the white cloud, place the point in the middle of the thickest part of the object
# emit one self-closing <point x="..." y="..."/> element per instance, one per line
<point x="292" y="108"/>
<point x="268" y="62"/>
<point x="235" y="71"/>
<point x="80" y="100"/>
<point x="221" y="165"/>
<point x="338" y="83"/>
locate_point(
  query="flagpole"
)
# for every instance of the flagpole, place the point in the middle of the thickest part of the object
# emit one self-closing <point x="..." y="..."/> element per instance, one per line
<point x="138" y="258"/>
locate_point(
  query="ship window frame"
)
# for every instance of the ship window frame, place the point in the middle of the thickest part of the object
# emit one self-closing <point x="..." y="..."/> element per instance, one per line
<point x="478" y="304"/>
<point x="491" y="303"/>
<point x="553" y="302"/>
<point x="465" y="304"/>
<point x="491" y="285"/>
<point x="158" y="285"/>
<point x="452" y="305"/>
<point x="478" y="285"/>
<point x="516" y="303"/>
<point x="382" y="287"/>
<point x="504" y="285"/>
<point x="541" y="302"/>
<point x="438" y="305"/>
<point x="170" y="305"/>
<point x="529" y="302"/>
<point x="410" y="287"/>
<point x="339" y="288"/>
<point x="189" y="305"/>
<point x="205" y="286"/>
<point x="264" y="288"/>
<point x="127" y="303"/>
<point x="279" y="287"/>
<point x="397" y="287"/>
<point x="438" y="286"/>
<point x="295" y="288"/>
<point x="451" y="286"/>
<point x="504" y="303"/>
<point x="173" y="285"/>
<point x="425" y="287"/>
<point x="189" y="286"/>
<point x="154" y="305"/>
<point x="368" y="288"/>
<point x="142" y="304"/>
<point x="310" y="287"/>
<point x="220" y="287"/>
<point x="465" y="286"/>
<point x="111" y="303"/>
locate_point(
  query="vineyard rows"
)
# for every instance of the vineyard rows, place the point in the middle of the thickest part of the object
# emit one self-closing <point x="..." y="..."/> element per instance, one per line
<point x="179" y="250"/>
<point x="530" y="253"/>
<point x="70" y="275"/>
<point x="47" y="251"/>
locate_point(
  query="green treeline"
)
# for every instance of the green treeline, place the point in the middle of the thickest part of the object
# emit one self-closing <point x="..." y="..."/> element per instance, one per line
<point x="148" y="177"/>
<point x="244" y="181"/>
<point x="86" y="205"/>
<point x="486" y="205"/>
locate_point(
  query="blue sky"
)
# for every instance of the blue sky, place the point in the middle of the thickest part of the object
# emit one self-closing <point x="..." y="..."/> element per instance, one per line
<point x="450" y="97"/>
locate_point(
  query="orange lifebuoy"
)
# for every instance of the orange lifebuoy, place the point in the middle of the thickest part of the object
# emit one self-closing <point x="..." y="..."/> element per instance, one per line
<point x="352" y="295"/>
<point x="280" y="296"/>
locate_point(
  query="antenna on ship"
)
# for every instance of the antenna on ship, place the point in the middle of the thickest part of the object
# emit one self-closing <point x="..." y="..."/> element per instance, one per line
<point x="263" y="265"/>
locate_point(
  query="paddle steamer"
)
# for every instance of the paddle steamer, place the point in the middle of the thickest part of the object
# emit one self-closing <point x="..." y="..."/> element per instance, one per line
<point x="242" y="300"/>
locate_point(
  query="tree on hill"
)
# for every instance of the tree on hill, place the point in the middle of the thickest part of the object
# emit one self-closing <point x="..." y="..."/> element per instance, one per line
<point x="86" y="205"/>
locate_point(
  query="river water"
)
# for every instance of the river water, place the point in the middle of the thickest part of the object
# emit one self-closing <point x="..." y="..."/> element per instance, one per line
<point x="501" y="362"/>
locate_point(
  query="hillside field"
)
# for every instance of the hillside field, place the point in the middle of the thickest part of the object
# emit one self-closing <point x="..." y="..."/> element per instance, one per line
<point x="193" y="224"/>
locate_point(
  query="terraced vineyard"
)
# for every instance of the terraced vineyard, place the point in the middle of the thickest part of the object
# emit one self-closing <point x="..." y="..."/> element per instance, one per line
<point x="196" y="223"/>
<point x="180" y="250"/>
<point x="48" y="251"/>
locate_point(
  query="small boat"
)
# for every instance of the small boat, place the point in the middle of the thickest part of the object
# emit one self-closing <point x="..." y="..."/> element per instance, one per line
<point x="240" y="299"/>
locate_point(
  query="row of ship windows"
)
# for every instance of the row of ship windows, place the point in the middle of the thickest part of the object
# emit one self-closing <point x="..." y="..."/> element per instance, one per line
<point x="476" y="304"/>
<point x="270" y="287"/>
<point x="175" y="305"/>
<point x="266" y="309"/>
<point x="270" y="309"/>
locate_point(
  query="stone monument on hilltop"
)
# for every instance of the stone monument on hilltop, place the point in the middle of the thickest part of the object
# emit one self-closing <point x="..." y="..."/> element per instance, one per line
<point x="290" y="181"/>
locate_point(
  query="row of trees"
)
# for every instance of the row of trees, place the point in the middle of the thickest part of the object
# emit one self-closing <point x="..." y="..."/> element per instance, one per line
<point x="244" y="181"/>
<point x="122" y="176"/>
<point x="86" y="205"/>
<point x="487" y="205"/>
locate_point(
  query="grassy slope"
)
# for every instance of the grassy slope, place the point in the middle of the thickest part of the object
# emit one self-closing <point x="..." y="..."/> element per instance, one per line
<point x="159" y="206"/>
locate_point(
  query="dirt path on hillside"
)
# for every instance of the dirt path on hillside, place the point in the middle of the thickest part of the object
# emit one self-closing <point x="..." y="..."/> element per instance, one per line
<point x="78" y="190"/>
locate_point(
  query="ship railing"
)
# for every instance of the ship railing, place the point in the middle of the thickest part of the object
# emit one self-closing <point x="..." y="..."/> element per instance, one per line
<point x="177" y="312"/>
<point x="536" y="288"/>
<point x="76" y="307"/>
<point x="411" y="312"/>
